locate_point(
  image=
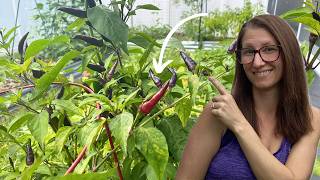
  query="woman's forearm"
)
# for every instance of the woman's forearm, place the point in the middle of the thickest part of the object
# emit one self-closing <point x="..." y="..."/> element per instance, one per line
<point x="263" y="164"/>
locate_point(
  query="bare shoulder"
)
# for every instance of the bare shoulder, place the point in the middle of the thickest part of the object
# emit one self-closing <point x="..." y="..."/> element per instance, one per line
<point x="315" y="118"/>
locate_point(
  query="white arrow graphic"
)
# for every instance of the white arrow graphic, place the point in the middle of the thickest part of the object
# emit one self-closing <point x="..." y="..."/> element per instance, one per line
<point x="158" y="66"/>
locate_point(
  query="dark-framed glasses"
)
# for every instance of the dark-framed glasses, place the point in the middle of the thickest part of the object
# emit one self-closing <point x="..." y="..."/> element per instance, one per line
<point x="267" y="53"/>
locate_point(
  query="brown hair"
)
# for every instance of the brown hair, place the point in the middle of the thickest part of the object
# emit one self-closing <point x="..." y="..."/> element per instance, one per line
<point x="293" y="109"/>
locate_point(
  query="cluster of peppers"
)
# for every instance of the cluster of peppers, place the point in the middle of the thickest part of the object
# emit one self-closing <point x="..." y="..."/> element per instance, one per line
<point x="148" y="105"/>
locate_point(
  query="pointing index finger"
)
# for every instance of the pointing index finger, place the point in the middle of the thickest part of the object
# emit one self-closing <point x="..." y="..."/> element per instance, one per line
<point x="218" y="85"/>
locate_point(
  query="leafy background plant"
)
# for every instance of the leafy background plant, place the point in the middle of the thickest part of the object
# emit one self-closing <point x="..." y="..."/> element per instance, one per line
<point x="57" y="118"/>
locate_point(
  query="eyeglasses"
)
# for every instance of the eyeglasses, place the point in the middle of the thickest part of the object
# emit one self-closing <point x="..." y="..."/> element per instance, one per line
<point x="267" y="53"/>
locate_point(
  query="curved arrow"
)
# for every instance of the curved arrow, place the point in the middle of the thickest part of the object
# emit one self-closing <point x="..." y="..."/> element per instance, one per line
<point x="158" y="66"/>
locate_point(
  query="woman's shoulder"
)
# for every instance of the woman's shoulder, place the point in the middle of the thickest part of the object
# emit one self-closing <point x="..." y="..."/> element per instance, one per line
<point x="315" y="121"/>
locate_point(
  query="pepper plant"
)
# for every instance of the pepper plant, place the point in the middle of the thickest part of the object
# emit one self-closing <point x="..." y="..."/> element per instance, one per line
<point x="113" y="123"/>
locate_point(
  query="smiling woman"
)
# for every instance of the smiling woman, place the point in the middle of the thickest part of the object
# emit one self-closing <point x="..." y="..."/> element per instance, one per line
<point x="266" y="128"/>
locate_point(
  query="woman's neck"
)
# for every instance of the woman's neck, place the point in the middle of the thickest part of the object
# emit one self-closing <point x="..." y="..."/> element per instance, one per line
<point x="266" y="101"/>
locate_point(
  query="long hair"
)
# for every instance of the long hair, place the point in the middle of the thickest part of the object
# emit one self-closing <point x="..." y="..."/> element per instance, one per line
<point x="293" y="109"/>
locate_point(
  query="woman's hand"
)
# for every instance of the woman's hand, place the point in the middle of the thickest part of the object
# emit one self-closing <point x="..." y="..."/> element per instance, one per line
<point x="225" y="108"/>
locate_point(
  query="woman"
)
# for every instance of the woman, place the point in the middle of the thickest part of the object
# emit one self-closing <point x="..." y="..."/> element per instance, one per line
<point x="266" y="129"/>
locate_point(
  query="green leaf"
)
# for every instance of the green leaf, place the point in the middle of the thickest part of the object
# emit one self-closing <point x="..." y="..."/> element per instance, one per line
<point x="130" y="97"/>
<point x="28" y="172"/>
<point x="20" y="121"/>
<point x="148" y="7"/>
<point x="44" y="82"/>
<point x="60" y="39"/>
<point x="183" y="109"/>
<point x="109" y="24"/>
<point x="145" y="56"/>
<point x="193" y="87"/>
<point x="109" y="174"/>
<point x="120" y="127"/>
<point x="83" y="164"/>
<point x="90" y="131"/>
<point x="296" y="12"/>
<point x="153" y="146"/>
<point x="67" y="105"/>
<point x="61" y="137"/>
<point x="3" y="131"/>
<point x="175" y="134"/>
<point x="308" y="21"/>
<point x="6" y="36"/>
<point x="77" y="24"/>
<point x="9" y="65"/>
<point x="35" y="47"/>
<point x="38" y="126"/>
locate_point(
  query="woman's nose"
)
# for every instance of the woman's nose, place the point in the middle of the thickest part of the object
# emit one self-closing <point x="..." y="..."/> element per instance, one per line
<point x="257" y="60"/>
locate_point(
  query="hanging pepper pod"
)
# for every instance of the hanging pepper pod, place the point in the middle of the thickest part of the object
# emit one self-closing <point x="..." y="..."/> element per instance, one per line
<point x="66" y="120"/>
<point x="155" y="79"/>
<point x="91" y="3"/>
<point x="112" y="70"/>
<point x="37" y="73"/>
<point x="233" y="47"/>
<point x="191" y="64"/>
<point x="61" y="93"/>
<point x="173" y="79"/>
<point x="96" y="67"/>
<point x="21" y="45"/>
<point x="30" y="154"/>
<point x="74" y="12"/>
<point x="90" y="40"/>
<point x="110" y="93"/>
<point x="316" y="16"/>
<point x="147" y="106"/>
<point x="312" y="40"/>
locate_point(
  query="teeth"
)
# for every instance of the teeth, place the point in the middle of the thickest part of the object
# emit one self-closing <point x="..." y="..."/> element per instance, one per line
<point x="262" y="73"/>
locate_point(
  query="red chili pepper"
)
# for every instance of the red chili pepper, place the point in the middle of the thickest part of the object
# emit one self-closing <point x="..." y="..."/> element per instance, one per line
<point x="147" y="106"/>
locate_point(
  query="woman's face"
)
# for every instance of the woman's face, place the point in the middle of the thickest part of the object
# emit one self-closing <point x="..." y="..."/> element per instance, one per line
<point x="263" y="75"/>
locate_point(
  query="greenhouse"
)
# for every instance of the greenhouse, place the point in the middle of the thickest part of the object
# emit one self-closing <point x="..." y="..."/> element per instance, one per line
<point x="150" y="89"/>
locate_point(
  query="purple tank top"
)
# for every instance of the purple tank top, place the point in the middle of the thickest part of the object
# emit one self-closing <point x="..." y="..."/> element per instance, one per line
<point x="230" y="163"/>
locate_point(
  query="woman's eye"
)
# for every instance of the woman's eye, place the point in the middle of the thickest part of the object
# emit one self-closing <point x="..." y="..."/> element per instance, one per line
<point x="269" y="49"/>
<point x="248" y="52"/>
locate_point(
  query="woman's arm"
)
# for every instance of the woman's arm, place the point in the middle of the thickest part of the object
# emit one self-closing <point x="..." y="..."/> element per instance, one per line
<point x="203" y="143"/>
<point x="266" y="166"/>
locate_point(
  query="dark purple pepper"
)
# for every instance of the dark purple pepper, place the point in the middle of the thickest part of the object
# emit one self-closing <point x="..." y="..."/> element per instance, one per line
<point x="66" y="120"/>
<point x="110" y="93"/>
<point x="155" y="79"/>
<point x="37" y="73"/>
<point x="233" y="47"/>
<point x="74" y="12"/>
<point x="91" y="3"/>
<point x="60" y="94"/>
<point x="11" y="163"/>
<point x="30" y="154"/>
<point x="112" y="70"/>
<point x="191" y="64"/>
<point x="21" y="45"/>
<point x="316" y="16"/>
<point x="312" y="40"/>
<point x="173" y="79"/>
<point x="97" y="68"/>
<point x="54" y="123"/>
<point x="90" y="40"/>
